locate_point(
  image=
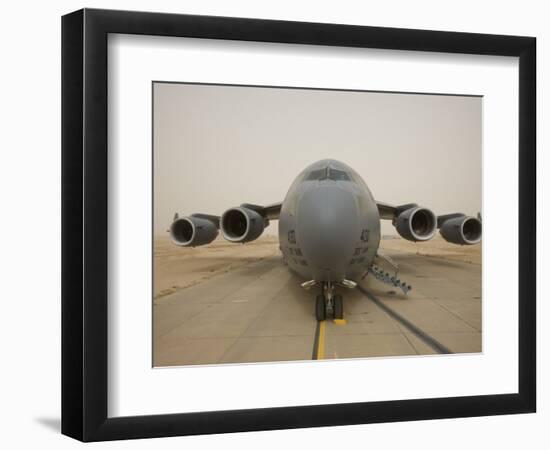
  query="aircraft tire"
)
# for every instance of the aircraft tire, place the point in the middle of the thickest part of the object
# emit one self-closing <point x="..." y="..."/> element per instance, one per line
<point x="320" y="308"/>
<point x="338" y="307"/>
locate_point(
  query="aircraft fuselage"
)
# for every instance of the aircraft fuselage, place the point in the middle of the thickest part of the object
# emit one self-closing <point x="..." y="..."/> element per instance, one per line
<point x="329" y="225"/>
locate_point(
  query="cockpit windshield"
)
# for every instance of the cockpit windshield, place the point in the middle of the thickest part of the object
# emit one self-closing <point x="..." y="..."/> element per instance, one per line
<point x="328" y="173"/>
<point x="338" y="175"/>
<point x="320" y="174"/>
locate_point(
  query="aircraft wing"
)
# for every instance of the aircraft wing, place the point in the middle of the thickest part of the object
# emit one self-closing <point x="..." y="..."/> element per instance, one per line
<point x="390" y="212"/>
<point x="269" y="212"/>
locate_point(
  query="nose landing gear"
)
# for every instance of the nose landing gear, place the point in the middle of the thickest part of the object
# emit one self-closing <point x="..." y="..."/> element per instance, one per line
<point x="329" y="304"/>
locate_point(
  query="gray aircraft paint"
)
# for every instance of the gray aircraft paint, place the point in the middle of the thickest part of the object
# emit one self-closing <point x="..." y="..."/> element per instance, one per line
<point x="329" y="230"/>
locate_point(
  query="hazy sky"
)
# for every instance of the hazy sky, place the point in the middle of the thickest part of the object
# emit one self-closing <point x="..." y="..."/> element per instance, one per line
<point x="219" y="146"/>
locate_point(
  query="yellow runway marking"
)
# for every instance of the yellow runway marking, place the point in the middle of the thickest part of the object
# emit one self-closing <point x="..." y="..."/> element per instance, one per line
<point x="321" y="342"/>
<point x="340" y="321"/>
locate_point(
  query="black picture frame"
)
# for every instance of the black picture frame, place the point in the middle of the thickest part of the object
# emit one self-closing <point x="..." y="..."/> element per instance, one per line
<point x="84" y="224"/>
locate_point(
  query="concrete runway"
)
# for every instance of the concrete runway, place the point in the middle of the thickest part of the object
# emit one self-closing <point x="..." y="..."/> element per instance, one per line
<point x="259" y="313"/>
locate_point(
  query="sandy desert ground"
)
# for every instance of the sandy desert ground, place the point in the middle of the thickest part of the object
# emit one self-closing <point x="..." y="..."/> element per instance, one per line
<point x="180" y="267"/>
<point x="436" y="248"/>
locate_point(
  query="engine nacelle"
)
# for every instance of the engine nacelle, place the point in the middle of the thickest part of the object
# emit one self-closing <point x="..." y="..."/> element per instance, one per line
<point x="461" y="230"/>
<point x="416" y="224"/>
<point x="242" y="224"/>
<point x="193" y="231"/>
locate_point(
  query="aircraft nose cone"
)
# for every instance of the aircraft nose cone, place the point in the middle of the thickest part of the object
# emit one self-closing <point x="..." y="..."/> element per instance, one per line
<point x="328" y="226"/>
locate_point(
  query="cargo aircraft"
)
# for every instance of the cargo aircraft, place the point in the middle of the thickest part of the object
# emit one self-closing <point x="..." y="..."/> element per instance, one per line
<point x="329" y="230"/>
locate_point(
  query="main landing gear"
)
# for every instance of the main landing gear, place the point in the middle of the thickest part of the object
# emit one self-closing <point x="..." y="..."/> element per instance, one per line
<point x="328" y="304"/>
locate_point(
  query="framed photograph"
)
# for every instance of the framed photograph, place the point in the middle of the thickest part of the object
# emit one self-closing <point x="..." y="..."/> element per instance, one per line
<point x="272" y="224"/>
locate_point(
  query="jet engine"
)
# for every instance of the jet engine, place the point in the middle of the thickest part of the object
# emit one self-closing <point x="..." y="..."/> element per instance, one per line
<point x="416" y="224"/>
<point x="193" y="231"/>
<point x="461" y="230"/>
<point x="242" y="224"/>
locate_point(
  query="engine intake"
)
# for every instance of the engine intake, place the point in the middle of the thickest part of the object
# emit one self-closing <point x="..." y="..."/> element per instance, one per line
<point x="416" y="224"/>
<point x="193" y="231"/>
<point x="242" y="224"/>
<point x="461" y="230"/>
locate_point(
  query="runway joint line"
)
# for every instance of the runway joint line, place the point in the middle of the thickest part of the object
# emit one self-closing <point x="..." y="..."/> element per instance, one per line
<point x="422" y="335"/>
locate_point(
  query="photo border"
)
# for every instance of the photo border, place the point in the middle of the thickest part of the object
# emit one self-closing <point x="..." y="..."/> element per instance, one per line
<point x="84" y="224"/>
